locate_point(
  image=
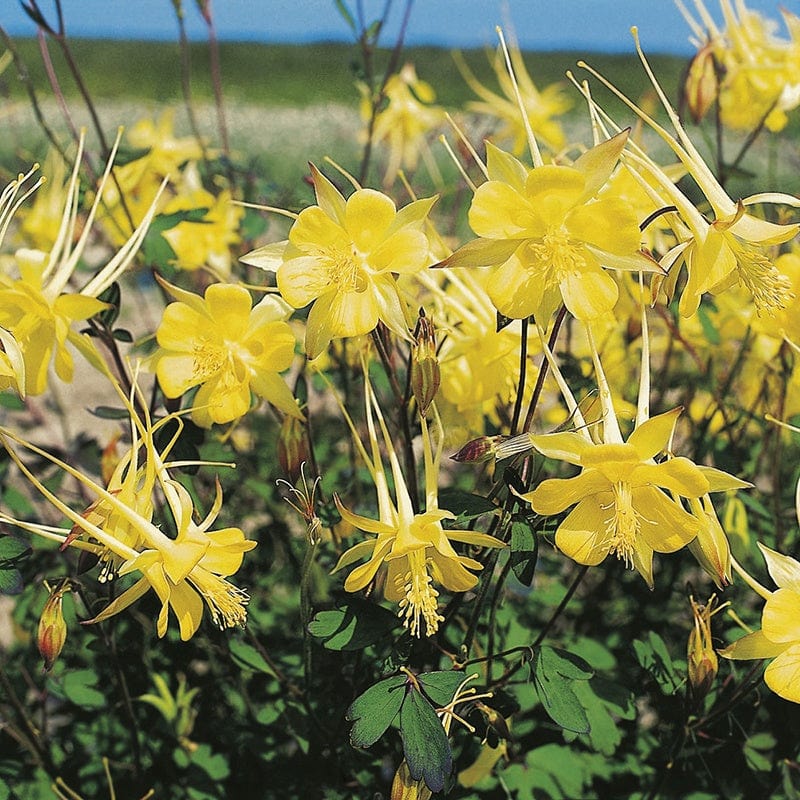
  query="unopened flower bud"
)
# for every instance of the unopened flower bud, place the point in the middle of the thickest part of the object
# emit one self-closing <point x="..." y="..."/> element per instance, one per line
<point x="701" y="660"/>
<point x="702" y="84"/>
<point x="425" y="376"/>
<point x="710" y="547"/>
<point x="481" y="449"/>
<point x="52" y="627"/>
<point x="293" y="447"/>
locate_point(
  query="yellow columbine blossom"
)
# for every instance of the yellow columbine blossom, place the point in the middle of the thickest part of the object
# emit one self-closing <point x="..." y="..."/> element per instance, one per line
<point x="620" y="496"/>
<point x="413" y="548"/>
<point x="342" y="256"/>
<point x="626" y="503"/>
<point x="167" y="153"/>
<point x="35" y="307"/>
<point x="779" y="637"/>
<point x="541" y="106"/>
<point x="228" y="348"/>
<point x="184" y="571"/>
<point x="406" y="120"/>
<point x="549" y="231"/>
<point x="758" y="74"/>
<point x="205" y="243"/>
<point x="730" y="249"/>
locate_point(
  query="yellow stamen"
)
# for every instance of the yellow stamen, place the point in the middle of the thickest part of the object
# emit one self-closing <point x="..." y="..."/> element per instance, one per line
<point x="420" y="600"/>
<point x="623" y="528"/>
<point x="225" y="601"/>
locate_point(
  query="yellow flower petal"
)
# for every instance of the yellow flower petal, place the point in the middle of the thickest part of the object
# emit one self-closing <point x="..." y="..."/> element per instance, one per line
<point x="780" y="620"/>
<point x="783" y="674"/>
<point x="582" y="535"/>
<point x="753" y="645"/>
<point x="368" y="214"/>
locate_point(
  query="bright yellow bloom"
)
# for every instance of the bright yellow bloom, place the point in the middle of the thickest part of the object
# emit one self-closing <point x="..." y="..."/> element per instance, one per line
<point x="758" y="73"/>
<point x="167" y="153"/>
<point x="541" y="106"/>
<point x="204" y="243"/>
<point x="35" y="308"/>
<point x="779" y="637"/>
<point x="406" y="120"/>
<point x="342" y="256"/>
<point x="228" y="348"/>
<point x="118" y="527"/>
<point x="413" y="548"/>
<point x="625" y="502"/>
<point x="550" y="231"/>
<point x="719" y="254"/>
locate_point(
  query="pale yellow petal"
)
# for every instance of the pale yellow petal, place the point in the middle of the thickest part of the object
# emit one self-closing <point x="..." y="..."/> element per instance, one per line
<point x="783" y="674"/>
<point x="753" y="645"/>
<point x="784" y="570"/>
<point x="582" y="535"/>
<point x="781" y="618"/>
<point x="368" y="215"/>
<point x="653" y="435"/>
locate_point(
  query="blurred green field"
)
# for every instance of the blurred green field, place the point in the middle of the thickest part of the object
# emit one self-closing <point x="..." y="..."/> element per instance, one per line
<point x="287" y="105"/>
<point x="292" y="75"/>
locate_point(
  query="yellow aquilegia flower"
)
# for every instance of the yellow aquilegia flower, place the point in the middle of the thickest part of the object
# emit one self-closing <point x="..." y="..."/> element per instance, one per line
<point x="779" y="637"/>
<point x="756" y="76"/>
<point x="542" y="106"/>
<point x="342" y="257"/>
<point x="206" y="242"/>
<point x="735" y="246"/>
<point x="228" y="348"/>
<point x="186" y="572"/>
<point x="37" y="307"/>
<point x="414" y="549"/>
<point x="620" y="496"/>
<point x="405" y="121"/>
<point x="549" y="231"/>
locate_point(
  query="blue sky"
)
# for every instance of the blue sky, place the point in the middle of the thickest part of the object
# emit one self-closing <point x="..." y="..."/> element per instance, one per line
<point x="539" y="24"/>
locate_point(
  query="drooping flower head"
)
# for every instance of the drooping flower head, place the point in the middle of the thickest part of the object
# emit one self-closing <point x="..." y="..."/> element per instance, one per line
<point x="228" y="348"/>
<point x="405" y="121"/>
<point x="342" y="257"/>
<point x="37" y="308"/>
<point x="732" y="248"/>
<point x="413" y="548"/>
<point x="187" y="571"/>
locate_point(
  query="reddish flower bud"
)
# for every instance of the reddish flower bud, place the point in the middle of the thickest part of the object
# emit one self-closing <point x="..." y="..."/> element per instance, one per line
<point x="483" y="448"/>
<point x="702" y="84"/>
<point x="52" y="627"/>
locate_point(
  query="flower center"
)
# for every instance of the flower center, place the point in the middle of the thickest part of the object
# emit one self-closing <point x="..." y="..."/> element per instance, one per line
<point x="420" y="600"/>
<point x="623" y="527"/>
<point x="345" y="269"/>
<point x="556" y="255"/>
<point x="208" y="360"/>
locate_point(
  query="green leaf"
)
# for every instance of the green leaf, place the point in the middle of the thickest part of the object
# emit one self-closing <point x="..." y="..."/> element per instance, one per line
<point x="441" y="686"/>
<point x="12" y="548"/>
<point x="109" y="412"/>
<point x="554" y="689"/>
<point x="425" y="744"/>
<point x="246" y="656"/>
<point x="11" y="581"/>
<point x="353" y="626"/>
<point x="524" y="551"/>
<point x="213" y="764"/>
<point x="122" y="335"/>
<point x="374" y="711"/>
<point x="112" y="296"/>
<point x="654" y="657"/>
<point x="78" y="688"/>
<point x="465" y="504"/>
<point x="605" y="702"/>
